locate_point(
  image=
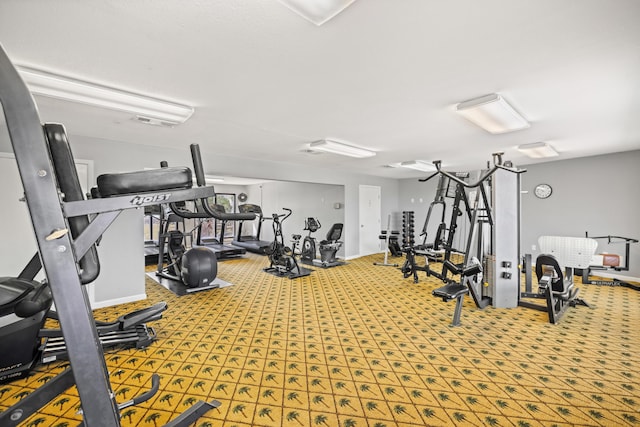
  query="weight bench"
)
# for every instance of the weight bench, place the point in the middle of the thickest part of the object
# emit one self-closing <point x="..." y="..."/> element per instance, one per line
<point x="457" y="290"/>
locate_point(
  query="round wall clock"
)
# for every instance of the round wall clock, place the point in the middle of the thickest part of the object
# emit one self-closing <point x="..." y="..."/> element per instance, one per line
<point x="542" y="191"/>
<point x="242" y="197"/>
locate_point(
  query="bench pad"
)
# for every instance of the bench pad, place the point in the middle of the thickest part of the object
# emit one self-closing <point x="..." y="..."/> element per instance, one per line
<point x="174" y="178"/>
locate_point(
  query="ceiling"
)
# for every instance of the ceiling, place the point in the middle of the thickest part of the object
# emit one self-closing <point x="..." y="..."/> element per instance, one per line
<point x="383" y="75"/>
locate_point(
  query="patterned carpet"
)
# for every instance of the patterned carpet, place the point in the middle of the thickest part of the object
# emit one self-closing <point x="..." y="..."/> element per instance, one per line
<point x="358" y="345"/>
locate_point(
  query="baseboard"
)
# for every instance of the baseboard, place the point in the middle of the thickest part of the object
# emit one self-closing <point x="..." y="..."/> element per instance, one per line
<point x="351" y="257"/>
<point x="117" y="301"/>
<point x="614" y="276"/>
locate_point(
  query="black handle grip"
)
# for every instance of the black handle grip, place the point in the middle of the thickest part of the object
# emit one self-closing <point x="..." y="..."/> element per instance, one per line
<point x="197" y="165"/>
<point x="155" y="386"/>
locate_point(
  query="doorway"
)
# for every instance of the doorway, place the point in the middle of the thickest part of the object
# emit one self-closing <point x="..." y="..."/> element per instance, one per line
<point x="369" y="217"/>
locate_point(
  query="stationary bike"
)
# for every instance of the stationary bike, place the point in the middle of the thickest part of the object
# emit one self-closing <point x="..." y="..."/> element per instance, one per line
<point x="281" y="257"/>
<point x="308" y="253"/>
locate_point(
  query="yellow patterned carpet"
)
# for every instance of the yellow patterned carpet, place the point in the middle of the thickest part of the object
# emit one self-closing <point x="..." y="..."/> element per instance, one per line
<point x="358" y="345"/>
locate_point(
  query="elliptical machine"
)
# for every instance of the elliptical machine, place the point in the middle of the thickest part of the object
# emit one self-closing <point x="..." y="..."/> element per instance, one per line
<point x="25" y="305"/>
<point x="195" y="268"/>
<point x="308" y="253"/>
<point x="281" y="257"/>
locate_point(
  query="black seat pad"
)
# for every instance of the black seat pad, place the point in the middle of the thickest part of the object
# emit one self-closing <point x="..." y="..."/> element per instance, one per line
<point x="173" y="178"/>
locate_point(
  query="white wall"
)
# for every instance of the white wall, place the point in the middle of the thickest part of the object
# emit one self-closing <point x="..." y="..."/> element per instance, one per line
<point x="305" y="200"/>
<point x="120" y="253"/>
<point x="119" y="270"/>
<point x="596" y="194"/>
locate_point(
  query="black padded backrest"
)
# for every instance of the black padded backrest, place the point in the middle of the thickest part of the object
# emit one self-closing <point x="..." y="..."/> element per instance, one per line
<point x="557" y="283"/>
<point x="438" y="240"/>
<point x="69" y="184"/>
<point x="335" y="232"/>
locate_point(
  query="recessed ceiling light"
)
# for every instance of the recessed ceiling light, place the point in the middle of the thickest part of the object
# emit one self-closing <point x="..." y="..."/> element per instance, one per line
<point x="146" y="109"/>
<point x="419" y="165"/>
<point x="538" y="150"/>
<point x="343" y="149"/>
<point x="492" y="113"/>
<point x="317" y="11"/>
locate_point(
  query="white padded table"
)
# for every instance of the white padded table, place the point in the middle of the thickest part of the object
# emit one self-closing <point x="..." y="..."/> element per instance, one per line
<point x="572" y="252"/>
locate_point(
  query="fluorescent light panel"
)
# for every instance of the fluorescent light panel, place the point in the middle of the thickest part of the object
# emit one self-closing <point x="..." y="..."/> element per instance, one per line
<point x="538" y="150"/>
<point x="68" y="89"/>
<point x="419" y="165"/>
<point x="492" y="113"/>
<point x="335" y="147"/>
<point x="317" y="11"/>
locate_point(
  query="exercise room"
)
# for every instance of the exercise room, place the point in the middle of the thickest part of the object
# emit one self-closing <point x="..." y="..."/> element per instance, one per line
<point x="333" y="213"/>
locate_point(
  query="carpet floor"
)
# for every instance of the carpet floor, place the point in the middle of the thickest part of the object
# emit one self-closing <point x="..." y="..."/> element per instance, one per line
<point x="359" y="345"/>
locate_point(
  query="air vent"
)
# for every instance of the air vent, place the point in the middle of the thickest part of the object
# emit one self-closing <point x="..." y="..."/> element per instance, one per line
<point x="311" y="152"/>
<point x="154" y="122"/>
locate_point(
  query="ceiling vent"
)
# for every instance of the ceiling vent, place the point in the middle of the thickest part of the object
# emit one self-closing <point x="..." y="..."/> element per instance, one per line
<point x="154" y="122"/>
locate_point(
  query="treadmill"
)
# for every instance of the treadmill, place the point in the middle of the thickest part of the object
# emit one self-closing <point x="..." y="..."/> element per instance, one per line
<point x="216" y="244"/>
<point x="218" y="212"/>
<point x="153" y="216"/>
<point x="252" y="243"/>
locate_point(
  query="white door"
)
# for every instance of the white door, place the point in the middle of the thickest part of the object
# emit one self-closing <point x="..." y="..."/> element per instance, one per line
<point x="369" y="215"/>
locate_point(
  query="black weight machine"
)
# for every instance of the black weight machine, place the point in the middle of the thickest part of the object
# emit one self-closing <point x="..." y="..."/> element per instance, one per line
<point x="555" y="286"/>
<point x="490" y="267"/>
<point x="611" y="262"/>
<point x="442" y="248"/>
<point x="439" y="200"/>
<point x="66" y="229"/>
<point x="282" y="261"/>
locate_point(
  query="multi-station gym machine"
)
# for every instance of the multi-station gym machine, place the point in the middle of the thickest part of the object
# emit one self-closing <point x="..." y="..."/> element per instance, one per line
<point x="490" y="267"/>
